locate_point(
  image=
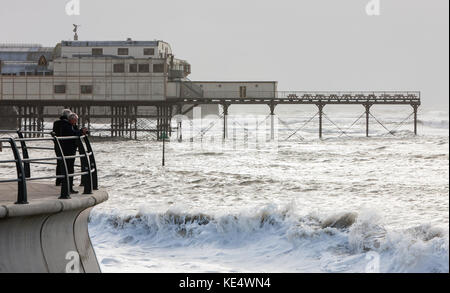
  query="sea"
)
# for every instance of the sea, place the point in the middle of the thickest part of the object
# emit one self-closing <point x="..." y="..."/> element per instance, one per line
<point x="295" y="203"/>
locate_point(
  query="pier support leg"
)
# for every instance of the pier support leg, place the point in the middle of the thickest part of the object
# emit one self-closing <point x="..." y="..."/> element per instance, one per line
<point x="88" y="118"/>
<point x="272" y="127"/>
<point x="112" y="121"/>
<point x="225" y="121"/>
<point x="122" y="121"/>
<point x="415" y="108"/>
<point x="127" y="122"/>
<point x="180" y="124"/>
<point x="367" y="106"/>
<point x="135" y="122"/>
<point x="19" y="120"/>
<point x="272" y="122"/>
<point x="24" y="119"/>
<point x="116" y="121"/>
<point x="180" y="132"/>
<point x="165" y="126"/>
<point x="164" y="114"/>
<point x="169" y="119"/>
<point x="320" y="106"/>
<point x="34" y="119"/>
<point x="27" y="121"/>
<point x="158" y="122"/>
<point x="40" y="125"/>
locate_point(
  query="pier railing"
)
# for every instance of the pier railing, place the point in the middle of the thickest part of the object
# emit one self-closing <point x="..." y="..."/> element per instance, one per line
<point x="309" y="97"/>
<point x="22" y="161"/>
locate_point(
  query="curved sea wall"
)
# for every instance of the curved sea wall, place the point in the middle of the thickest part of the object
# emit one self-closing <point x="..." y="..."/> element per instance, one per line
<point x="48" y="235"/>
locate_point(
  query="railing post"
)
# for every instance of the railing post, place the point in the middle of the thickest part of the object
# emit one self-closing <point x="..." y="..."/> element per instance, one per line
<point x="22" y="196"/>
<point x="65" y="185"/>
<point x="25" y="155"/>
<point x="93" y="163"/>
<point x="85" y="167"/>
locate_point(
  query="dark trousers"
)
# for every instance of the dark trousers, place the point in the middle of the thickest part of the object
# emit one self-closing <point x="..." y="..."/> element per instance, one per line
<point x="71" y="169"/>
<point x="59" y="167"/>
<point x="59" y="171"/>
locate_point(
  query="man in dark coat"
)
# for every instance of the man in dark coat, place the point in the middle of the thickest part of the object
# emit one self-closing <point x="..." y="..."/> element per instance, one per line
<point x="57" y="130"/>
<point x="69" y="147"/>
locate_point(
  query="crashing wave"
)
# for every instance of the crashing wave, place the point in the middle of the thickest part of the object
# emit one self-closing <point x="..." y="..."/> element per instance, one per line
<point x="334" y="239"/>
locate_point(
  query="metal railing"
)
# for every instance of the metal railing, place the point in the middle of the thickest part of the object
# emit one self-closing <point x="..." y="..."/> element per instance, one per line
<point x="315" y="95"/>
<point x="22" y="160"/>
<point x="350" y="95"/>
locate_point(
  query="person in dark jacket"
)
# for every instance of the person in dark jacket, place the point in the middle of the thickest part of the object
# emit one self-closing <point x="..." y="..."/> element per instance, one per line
<point x="69" y="147"/>
<point x="57" y="130"/>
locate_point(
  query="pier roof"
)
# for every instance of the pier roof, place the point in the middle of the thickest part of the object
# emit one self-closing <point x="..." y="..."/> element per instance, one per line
<point x="109" y="43"/>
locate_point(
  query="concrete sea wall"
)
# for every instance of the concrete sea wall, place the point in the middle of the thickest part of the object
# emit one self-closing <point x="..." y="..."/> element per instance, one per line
<point x="48" y="235"/>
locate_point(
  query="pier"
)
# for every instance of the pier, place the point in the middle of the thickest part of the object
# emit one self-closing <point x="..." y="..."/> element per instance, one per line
<point x="127" y="119"/>
<point x="133" y="89"/>
<point x="319" y="99"/>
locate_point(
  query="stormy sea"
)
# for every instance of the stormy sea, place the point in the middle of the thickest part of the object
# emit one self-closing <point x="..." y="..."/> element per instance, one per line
<point x="344" y="203"/>
<point x="301" y="204"/>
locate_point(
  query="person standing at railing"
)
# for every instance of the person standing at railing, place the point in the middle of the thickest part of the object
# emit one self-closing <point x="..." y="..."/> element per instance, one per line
<point x="69" y="147"/>
<point x="57" y="130"/>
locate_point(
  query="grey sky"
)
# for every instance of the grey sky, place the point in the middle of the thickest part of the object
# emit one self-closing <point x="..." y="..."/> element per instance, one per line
<point x="303" y="44"/>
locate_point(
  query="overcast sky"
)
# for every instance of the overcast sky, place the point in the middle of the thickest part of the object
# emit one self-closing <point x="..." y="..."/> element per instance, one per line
<point x="302" y="44"/>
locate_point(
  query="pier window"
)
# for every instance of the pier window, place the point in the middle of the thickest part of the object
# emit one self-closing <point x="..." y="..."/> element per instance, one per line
<point x="133" y="68"/>
<point x="243" y="91"/>
<point x="97" y="51"/>
<point x="144" y="67"/>
<point x="149" y="51"/>
<point x="119" y="68"/>
<point x="122" y="51"/>
<point x="158" y="68"/>
<point x="60" y="89"/>
<point x="86" y="89"/>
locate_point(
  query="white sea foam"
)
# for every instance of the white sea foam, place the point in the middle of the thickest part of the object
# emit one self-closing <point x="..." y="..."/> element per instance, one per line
<point x="269" y="239"/>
